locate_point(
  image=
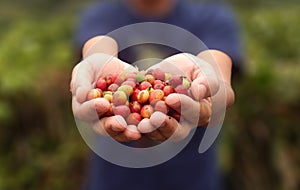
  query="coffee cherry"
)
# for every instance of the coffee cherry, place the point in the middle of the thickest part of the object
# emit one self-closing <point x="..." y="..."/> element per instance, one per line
<point x="109" y="79"/>
<point x="133" y="119"/>
<point x="113" y="87"/>
<point x="143" y="96"/>
<point x="181" y="89"/>
<point x="150" y="78"/>
<point x="168" y="90"/>
<point x="167" y="76"/>
<point x="108" y="97"/>
<point x="158" y="74"/>
<point x="127" y="89"/>
<point x="135" y="106"/>
<point x="134" y="94"/>
<point x="101" y="83"/>
<point x="130" y="83"/>
<point x="119" y="98"/>
<point x="186" y="82"/>
<point x="137" y="95"/>
<point x="140" y="77"/>
<point x="161" y="106"/>
<point x="94" y="93"/>
<point x="159" y="86"/>
<point x="147" y="111"/>
<point x="144" y="85"/>
<point x="156" y="95"/>
<point x="121" y="110"/>
<point x="157" y="82"/>
<point x="174" y="81"/>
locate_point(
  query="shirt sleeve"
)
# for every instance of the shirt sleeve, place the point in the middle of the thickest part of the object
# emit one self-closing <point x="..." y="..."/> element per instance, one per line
<point x="95" y="20"/>
<point x="222" y="33"/>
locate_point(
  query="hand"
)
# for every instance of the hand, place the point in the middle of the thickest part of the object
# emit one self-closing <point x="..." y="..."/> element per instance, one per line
<point x="99" y="62"/>
<point x="195" y="113"/>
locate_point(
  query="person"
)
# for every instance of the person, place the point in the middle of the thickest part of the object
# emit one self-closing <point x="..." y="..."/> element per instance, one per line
<point x="216" y="27"/>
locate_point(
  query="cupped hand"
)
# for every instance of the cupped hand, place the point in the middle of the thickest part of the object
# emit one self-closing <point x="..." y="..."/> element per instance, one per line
<point x="99" y="61"/>
<point x="194" y="111"/>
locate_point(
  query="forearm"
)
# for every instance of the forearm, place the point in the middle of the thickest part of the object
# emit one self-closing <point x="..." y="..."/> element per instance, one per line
<point x="223" y="68"/>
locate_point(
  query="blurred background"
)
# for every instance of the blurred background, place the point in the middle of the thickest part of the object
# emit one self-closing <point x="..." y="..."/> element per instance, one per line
<point x="40" y="146"/>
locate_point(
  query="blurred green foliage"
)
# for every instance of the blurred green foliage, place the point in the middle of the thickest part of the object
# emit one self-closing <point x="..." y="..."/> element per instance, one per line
<point x="41" y="148"/>
<point x="259" y="146"/>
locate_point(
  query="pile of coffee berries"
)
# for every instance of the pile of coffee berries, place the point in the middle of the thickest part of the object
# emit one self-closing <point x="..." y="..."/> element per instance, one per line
<point x="135" y="96"/>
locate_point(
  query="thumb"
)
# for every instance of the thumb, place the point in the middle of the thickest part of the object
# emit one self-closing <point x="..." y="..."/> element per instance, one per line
<point x="104" y="47"/>
<point x="100" y="44"/>
<point x="204" y="86"/>
<point x="186" y="106"/>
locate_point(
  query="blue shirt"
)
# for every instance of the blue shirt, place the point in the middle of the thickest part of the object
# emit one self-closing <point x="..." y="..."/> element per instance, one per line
<point x="216" y="27"/>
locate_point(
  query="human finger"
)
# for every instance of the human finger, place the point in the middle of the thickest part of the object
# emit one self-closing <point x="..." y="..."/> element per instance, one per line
<point x="100" y="44"/>
<point x="166" y="125"/>
<point x="132" y="133"/>
<point x="145" y="126"/>
<point x="84" y="73"/>
<point x="205" y="112"/>
<point x="186" y="106"/>
<point x="115" y="127"/>
<point x="179" y="64"/>
<point x="88" y="71"/>
<point x="174" y="131"/>
<point x="155" y="136"/>
<point x="204" y="86"/>
<point x="112" y="126"/>
<point x="169" y="128"/>
<point x="90" y="110"/>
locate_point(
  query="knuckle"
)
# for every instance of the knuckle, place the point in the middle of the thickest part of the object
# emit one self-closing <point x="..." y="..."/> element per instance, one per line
<point x="213" y="85"/>
<point x="97" y="127"/>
